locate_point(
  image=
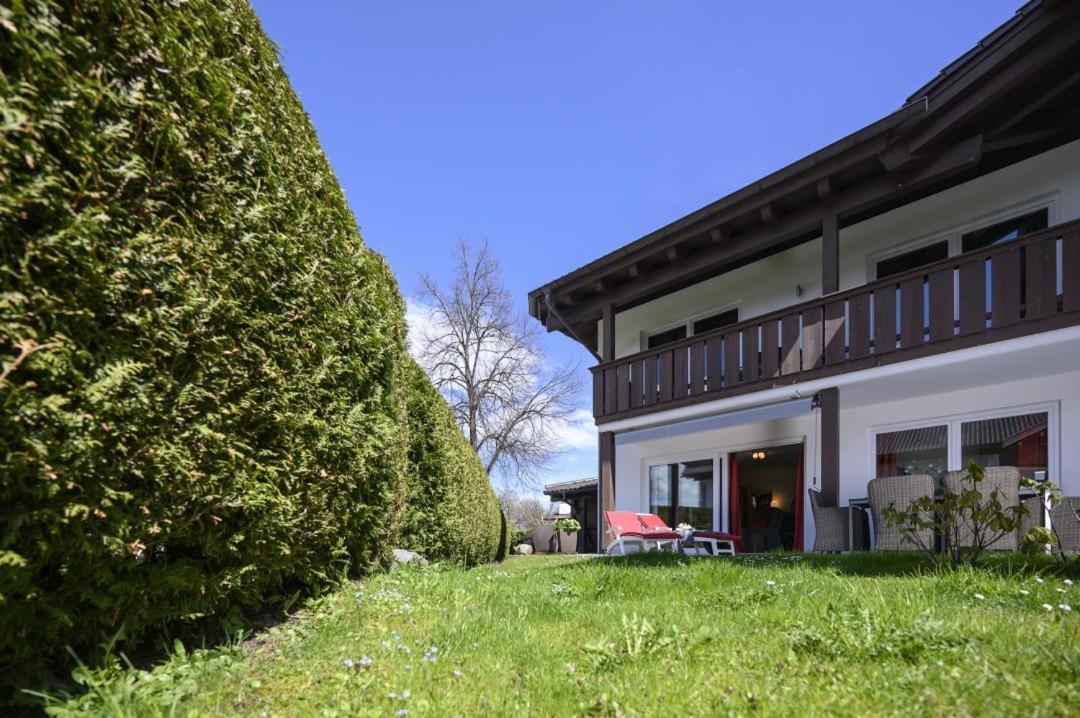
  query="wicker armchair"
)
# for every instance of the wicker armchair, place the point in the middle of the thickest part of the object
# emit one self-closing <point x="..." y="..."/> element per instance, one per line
<point x="1064" y="519"/>
<point x="898" y="491"/>
<point x="1005" y="480"/>
<point x="831" y="526"/>
<point x="1033" y="519"/>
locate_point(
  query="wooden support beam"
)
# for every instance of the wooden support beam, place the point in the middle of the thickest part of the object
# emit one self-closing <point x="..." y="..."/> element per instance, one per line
<point x="830" y="254"/>
<point x="830" y="445"/>
<point x="719" y="234"/>
<point x="825" y="188"/>
<point x="606" y="487"/>
<point x="768" y="212"/>
<point x="601" y="285"/>
<point x="607" y="352"/>
<point x="673" y="253"/>
<point x="634" y="270"/>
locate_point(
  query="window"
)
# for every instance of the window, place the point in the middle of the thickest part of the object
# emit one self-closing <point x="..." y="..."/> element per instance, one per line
<point x="913" y="451"/>
<point x="716" y="321"/>
<point x="912" y="260"/>
<point x="951" y="245"/>
<point x="683" y="493"/>
<point x="1019" y="441"/>
<point x="1004" y="231"/>
<point x="1003" y="438"/>
<point x="696" y="326"/>
<point x="666" y="337"/>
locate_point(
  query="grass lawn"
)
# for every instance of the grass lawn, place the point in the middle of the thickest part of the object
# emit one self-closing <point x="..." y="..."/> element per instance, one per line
<point x="644" y="636"/>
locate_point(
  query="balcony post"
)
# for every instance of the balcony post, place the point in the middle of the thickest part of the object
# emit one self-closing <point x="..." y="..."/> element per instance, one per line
<point x="830" y="254"/>
<point x="830" y="445"/>
<point x="606" y="473"/>
<point x="606" y="487"/>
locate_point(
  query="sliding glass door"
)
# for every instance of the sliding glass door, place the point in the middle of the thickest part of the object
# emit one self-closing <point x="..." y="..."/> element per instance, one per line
<point x="682" y="493"/>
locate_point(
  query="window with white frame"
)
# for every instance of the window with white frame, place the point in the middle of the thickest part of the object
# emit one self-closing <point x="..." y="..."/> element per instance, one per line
<point x="995" y="229"/>
<point x="682" y="493"/>
<point x="1016" y="437"/>
<point x="691" y="327"/>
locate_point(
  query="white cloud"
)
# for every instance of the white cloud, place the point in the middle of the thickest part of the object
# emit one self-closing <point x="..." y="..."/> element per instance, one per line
<point x="577" y="432"/>
<point x="418" y="320"/>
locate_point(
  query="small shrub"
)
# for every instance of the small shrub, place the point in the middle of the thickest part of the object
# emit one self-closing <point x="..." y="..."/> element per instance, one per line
<point x="956" y="516"/>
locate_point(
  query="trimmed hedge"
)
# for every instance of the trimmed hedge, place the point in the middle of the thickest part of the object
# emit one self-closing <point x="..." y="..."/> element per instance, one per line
<point x="452" y="513"/>
<point x="205" y="396"/>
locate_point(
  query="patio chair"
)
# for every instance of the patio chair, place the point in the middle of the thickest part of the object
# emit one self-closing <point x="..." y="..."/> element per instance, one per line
<point x="628" y="533"/>
<point x="768" y="533"/>
<point x="1063" y="518"/>
<point x="898" y="491"/>
<point x="721" y="544"/>
<point x="1003" y="479"/>
<point x="1034" y="517"/>
<point x="831" y="526"/>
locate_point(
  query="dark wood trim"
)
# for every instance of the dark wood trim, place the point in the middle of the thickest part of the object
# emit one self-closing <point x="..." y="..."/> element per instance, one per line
<point x="608" y="350"/>
<point x="799" y="343"/>
<point x="606" y="486"/>
<point x="830" y="254"/>
<point x="829" y="442"/>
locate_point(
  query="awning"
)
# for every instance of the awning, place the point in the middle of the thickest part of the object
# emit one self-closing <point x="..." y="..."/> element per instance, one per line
<point x="766" y="412"/>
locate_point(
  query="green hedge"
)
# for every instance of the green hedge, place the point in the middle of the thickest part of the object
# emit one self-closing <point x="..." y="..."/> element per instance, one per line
<point x="452" y="513"/>
<point x="209" y="410"/>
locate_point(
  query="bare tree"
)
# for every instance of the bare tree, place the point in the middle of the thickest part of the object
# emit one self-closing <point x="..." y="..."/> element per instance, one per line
<point x="485" y="358"/>
<point x="522" y="510"/>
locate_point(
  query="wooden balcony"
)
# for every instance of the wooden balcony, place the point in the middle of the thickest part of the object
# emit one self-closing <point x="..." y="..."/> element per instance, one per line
<point x="1022" y="287"/>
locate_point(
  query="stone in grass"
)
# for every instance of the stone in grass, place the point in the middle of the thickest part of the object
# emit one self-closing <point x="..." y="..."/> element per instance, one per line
<point x="402" y="557"/>
<point x="523" y="549"/>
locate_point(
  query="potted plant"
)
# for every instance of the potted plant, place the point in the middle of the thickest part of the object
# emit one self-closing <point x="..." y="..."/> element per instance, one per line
<point x="568" y="528"/>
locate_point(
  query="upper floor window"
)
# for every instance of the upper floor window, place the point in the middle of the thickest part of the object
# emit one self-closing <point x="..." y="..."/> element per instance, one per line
<point x="913" y="260"/>
<point x="968" y="241"/>
<point x="692" y="327"/>
<point x="1004" y="231"/>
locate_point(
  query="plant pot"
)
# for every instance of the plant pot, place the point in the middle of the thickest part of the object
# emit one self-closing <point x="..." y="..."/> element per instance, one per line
<point x="543" y="538"/>
<point x="568" y="542"/>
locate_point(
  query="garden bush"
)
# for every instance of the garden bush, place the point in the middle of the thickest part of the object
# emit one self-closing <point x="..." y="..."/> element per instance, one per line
<point x="203" y="373"/>
<point x="451" y="511"/>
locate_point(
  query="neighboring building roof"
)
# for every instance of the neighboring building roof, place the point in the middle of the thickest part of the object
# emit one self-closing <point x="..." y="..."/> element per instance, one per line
<point x="1005" y="430"/>
<point x="571" y="487"/>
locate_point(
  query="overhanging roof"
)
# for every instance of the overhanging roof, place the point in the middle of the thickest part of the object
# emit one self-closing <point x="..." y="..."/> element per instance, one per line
<point x="1006" y="99"/>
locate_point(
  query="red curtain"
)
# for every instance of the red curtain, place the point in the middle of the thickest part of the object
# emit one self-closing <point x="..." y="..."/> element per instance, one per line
<point x="734" y="509"/>
<point x="799" y="505"/>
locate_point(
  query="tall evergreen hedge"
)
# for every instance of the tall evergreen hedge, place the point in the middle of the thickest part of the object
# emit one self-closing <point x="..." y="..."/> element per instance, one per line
<point x="206" y="391"/>
<point x="452" y="512"/>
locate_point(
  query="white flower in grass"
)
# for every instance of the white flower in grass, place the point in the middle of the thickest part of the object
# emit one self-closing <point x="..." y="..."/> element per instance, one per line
<point x="770" y="583"/>
<point x="1060" y="590"/>
<point x="1067" y="582"/>
<point x="365" y="661"/>
<point x="402" y="712"/>
<point x="1039" y="580"/>
<point x="456" y="673"/>
<point x="348" y="662"/>
<point x="406" y="695"/>
<point x="1048" y="607"/>
<point x="980" y="596"/>
<point x="1065" y="607"/>
<point x="1025" y="592"/>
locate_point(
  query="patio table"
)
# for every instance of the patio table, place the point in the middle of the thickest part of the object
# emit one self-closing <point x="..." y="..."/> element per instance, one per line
<point x="862" y="503"/>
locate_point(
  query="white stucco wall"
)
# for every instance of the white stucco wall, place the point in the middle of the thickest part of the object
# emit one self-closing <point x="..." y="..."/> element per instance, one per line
<point x="1013" y="377"/>
<point x="1052" y="178"/>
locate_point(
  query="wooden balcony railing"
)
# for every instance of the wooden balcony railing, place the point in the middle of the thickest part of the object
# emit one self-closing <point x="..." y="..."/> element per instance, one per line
<point x="1024" y="286"/>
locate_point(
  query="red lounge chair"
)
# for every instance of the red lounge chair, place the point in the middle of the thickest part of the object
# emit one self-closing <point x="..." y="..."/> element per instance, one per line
<point x="720" y="544"/>
<point x="627" y="532"/>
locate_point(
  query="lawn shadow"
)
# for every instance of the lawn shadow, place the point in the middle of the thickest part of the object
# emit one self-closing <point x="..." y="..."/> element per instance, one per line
<point x="868" y="564"/>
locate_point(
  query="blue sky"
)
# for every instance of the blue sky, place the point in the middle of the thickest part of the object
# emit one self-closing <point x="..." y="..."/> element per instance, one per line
<point x="560" y="130"/>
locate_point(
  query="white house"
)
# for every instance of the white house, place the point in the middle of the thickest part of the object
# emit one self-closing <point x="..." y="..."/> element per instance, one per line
<point x="897" y="302"/>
